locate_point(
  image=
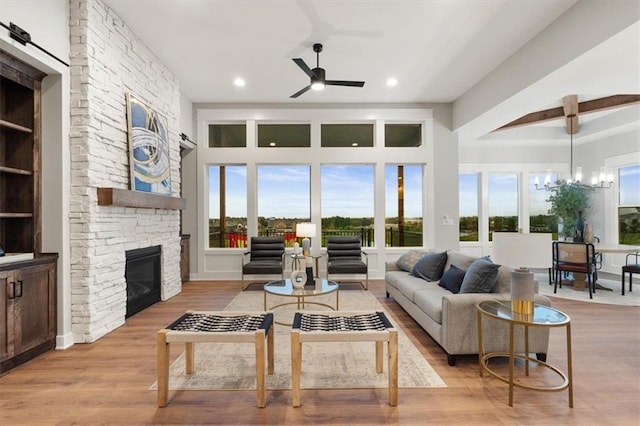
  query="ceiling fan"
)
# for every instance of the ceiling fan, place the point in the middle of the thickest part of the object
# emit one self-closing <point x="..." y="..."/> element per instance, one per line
<point x="317" y="75"/>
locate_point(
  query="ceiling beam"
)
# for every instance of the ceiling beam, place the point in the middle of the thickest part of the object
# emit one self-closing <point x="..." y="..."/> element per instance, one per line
<point x="570" y="109"/>
<point x="594" y="105"/>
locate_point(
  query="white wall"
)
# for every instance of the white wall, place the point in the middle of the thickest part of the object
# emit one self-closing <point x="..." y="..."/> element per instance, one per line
<point x="189" y="180"/>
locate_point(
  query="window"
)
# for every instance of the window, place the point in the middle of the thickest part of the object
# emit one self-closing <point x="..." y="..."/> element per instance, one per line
<point x="403" y="197"/>
<point x="347" y="198"/>
<point x="346" y="135"/>
<point x="284" y="199"/>
<point x="629" y="205"/>
<point x="227" y="136"/>
<point x="468" y="205"/>
<point x="284" y="135"/>
<point x="503" y="203"/>
<point x="227" y="206"/>
<point x="539" y="218"/>
<point x="402" y="135"/>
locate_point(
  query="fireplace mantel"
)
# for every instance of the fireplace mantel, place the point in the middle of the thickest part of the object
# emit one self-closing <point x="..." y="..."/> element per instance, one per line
<point x="126" y="198"/>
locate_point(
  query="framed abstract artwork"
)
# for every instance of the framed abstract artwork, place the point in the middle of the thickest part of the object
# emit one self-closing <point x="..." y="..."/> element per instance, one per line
<point x="148" y="148"/>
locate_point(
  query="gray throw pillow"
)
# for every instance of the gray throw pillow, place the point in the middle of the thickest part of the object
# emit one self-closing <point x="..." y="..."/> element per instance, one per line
<point x="430" y="267"/>
<point x="452" y="279"/>
<point x="407" y="261"/>
<point x="480" y="277"/>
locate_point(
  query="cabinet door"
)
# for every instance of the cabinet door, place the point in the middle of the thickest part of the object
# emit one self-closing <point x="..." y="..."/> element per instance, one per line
<point x="6" y="315"/>
<point x="35" y="318"/>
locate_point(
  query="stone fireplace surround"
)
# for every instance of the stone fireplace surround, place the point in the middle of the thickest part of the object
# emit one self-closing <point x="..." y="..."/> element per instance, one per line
<point x="107" y="61"/>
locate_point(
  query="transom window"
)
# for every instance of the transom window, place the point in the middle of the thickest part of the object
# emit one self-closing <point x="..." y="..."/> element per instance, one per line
<point x="346" y="135"/>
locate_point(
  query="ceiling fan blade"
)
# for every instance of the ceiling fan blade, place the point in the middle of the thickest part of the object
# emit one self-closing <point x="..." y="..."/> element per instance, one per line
<point x="344" y="83"/>
<point x="300" y="92"/>
<point x="304" y="67"/>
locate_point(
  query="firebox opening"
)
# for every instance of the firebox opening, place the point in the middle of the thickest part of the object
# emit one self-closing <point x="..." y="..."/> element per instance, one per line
<point x="143" y="278"/>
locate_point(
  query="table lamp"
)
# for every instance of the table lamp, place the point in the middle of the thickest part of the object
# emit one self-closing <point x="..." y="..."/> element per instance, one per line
<point x="307" y="231"/>
<point x="522" y="251"/>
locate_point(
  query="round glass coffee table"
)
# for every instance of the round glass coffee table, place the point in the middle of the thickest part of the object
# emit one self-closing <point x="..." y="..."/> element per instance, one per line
<point x="284" y="288"/>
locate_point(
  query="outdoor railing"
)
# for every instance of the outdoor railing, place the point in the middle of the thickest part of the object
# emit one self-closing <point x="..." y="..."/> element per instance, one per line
<point x="393" y="238"/>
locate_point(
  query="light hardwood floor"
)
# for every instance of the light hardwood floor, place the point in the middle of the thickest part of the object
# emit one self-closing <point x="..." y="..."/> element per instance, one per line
<point x="107" y="382"/>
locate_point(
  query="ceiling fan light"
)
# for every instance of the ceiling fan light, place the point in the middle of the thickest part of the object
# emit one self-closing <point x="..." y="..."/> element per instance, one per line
<point x="317" y="85"/>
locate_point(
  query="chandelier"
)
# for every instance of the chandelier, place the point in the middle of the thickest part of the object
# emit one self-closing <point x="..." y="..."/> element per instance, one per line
<point x="602" y="180"/>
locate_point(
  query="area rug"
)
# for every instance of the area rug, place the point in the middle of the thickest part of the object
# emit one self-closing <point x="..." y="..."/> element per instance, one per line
<point x="347" y="365"/>
<point x="610" y="294"/>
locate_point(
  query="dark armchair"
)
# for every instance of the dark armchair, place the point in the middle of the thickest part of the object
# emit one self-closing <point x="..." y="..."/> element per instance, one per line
<point x="265" y="257"/>
<point x="345" y="256"/>
<point x="578" y="258"/>
<point x="631" y="266"/>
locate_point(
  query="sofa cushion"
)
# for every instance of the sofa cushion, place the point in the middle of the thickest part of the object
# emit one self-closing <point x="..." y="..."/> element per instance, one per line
<point x="407" y="261"/>
<point x="429" y="300"/>
<point x="459" y="260"/>
<point x="409" y="284"/>
<point x="452" y="279"/>
<point x="503" y="283"/>
<point x="430" y="266"/>
<point x="480" y="277"/>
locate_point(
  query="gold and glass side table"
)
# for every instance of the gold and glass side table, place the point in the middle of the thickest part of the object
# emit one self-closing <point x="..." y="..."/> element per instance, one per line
<point x="543" y="316"/>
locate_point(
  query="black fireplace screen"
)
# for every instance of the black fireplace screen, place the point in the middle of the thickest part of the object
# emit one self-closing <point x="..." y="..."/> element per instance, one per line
<point x="143" y="277"/>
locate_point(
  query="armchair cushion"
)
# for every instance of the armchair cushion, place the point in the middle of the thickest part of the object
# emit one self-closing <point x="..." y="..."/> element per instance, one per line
<point x="344" y="255"/>
<point x="266" y="256"/>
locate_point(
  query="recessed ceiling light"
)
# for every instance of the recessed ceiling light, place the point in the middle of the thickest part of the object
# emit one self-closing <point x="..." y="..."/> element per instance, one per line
<point x="391" y="82"/>
<point x="239" y="82"/>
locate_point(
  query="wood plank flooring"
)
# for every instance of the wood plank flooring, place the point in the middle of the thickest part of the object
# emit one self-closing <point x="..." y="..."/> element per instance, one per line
<point x="107" y="382"/>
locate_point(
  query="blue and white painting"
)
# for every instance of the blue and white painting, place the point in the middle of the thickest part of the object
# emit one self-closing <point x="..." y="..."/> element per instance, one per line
<point x="148" y="148"/>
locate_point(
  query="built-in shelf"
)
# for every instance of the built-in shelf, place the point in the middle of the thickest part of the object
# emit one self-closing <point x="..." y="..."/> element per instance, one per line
<point x="15" y="215"/>
<point x="15" y="257"/>
<point x="10" y="125"/>
<point x="15" y="171"/>
<point x="126" y="198"/>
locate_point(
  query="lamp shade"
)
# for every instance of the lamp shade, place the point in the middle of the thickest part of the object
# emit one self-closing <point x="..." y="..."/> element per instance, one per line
<point x="305" y="229"/>
<point x="517" y="249"/>
<point x="522" y="251"/>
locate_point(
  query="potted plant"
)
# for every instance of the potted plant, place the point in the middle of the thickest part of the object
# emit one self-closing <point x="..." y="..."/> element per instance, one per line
<point x="568" y="203"/>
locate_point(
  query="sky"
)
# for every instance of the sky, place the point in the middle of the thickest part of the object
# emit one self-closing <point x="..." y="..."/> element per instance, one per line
<point x="284" y="191"/>
<point x="348" y="191"/>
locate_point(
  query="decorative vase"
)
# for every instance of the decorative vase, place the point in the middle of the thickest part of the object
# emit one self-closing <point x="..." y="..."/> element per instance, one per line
<point x="588" y="233"/>
<point x="298" y="279"/>
<point x="579" y="235"/>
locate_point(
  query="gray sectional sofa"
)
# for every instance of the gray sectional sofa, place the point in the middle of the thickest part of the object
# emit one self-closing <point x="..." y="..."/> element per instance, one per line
<point x="451" y="319"/>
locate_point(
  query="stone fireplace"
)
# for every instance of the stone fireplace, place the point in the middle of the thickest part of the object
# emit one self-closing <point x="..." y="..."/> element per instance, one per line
<point x="108" y="61"/>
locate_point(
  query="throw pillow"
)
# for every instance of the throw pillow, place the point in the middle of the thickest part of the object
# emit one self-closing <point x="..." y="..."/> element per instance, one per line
<point x="480" y="277"/>
<point x="407" y="261"/>
<point x="452" y="279"/>
<point x="430" y="267"/>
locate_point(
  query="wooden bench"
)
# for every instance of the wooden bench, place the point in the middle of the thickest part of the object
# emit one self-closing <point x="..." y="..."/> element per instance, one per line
<point x="194" y="327"/>
<point x="344" y="327"/>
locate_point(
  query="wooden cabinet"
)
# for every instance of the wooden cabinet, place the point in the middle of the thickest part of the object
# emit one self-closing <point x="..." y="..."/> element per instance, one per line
<point x="27" y="310"/>
<point x="19" y="156"/>
<point x="184" y="257"/>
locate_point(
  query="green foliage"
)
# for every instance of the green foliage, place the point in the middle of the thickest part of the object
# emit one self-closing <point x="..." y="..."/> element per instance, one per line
<point x="567" y="201"/>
